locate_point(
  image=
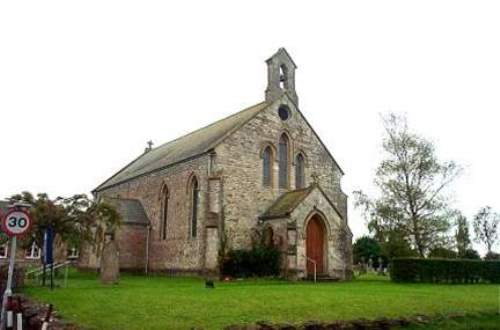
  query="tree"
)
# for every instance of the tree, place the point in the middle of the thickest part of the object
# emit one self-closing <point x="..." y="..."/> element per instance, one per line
<point x="75" y="220"/>
<point x="442" y="252"/>
<point x="365" y="248"/>
<point x="471" y="254"/>
<point x="462" y="236"/>
<point x="492" y="256"/>
<point x="486" y="227"/>
<point x="412" y="182"/>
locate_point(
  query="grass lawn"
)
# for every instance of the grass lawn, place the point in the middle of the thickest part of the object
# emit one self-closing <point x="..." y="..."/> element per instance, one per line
<point x="140" y="302"/>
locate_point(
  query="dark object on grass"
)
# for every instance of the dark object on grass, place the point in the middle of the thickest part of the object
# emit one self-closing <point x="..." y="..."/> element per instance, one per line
<point x="209" y="284"/>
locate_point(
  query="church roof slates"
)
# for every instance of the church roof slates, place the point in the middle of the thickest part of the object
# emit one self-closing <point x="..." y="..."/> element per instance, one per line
<point x="183" y="148"/>
<point x="289" y="201"/>
<point x="286" y="203"/>
<point x="131" y="210"/>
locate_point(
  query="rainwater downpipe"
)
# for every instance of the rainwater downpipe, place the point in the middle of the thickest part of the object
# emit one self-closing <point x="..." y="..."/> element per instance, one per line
<point x="147" y="248"/>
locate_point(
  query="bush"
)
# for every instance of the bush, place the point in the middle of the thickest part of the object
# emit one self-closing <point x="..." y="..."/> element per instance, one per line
<point x="492" y="256"/>
<point x="470" y="254"/>
<point x="259" y="261"/>
<point x="444" y="270"/>
<point x="441" y="252"/>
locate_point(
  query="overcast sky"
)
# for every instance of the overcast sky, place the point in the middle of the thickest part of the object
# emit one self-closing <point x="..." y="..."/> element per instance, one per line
<point x="84" y="85"/>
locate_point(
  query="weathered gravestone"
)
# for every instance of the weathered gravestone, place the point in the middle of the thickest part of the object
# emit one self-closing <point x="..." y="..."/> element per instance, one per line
<point x="380" y="266"/>
<point x="110" y="266"/>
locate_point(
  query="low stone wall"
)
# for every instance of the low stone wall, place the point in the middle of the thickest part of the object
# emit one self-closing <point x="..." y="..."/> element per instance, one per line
<point x="362" y="324"/>
<point x="34" y="314"/>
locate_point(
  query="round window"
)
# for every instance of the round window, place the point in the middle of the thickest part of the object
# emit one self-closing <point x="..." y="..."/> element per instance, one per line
<point x="284" y="112"/>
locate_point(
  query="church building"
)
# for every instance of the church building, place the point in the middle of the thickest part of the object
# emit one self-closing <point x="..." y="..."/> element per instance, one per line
<point x="261" y="171"/>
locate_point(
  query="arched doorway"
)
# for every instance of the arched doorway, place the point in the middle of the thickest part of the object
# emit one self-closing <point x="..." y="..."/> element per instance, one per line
<point x="315" y="245"/>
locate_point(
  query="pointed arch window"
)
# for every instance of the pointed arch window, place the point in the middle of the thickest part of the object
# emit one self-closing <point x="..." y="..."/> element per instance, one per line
<point x="165" y="196"/>
<point x="267" y="166"/>
<point x="283" y="161"/>
<point x="195" y="197"/>
<point x="299" y="171"/>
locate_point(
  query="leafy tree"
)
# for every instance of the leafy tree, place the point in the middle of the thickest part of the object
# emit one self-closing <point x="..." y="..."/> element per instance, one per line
<point x="442" y="252"/>
<point x="365" y="248"/>
<point x="75" y="220"/>
<point x="462" y="236"/>
<point x="486" y="227"/>
<point x="471" y="254"/>
<point x="412" y="183"/>
<point x="492" y="256"/>
<point x="397" y="247"/>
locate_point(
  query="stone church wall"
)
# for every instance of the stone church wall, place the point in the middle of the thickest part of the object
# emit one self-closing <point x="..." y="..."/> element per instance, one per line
<point x="131" y="242"/>
<point x="178" y="252"/>
<point x="239" y="157"/>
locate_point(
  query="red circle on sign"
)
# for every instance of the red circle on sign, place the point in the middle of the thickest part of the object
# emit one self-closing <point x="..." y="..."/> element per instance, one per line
<point x="14" y="228"/>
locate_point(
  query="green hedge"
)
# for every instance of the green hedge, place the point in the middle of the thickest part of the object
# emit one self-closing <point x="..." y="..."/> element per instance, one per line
<point x="257" y="262"/>
<point x="444" y="270"/>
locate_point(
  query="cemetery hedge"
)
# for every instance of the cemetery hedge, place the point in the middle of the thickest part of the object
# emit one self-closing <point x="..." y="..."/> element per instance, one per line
<point x="444" y="270"/>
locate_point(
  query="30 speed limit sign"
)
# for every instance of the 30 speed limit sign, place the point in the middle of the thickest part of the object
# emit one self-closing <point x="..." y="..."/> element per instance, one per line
<point x="16" y="223"/>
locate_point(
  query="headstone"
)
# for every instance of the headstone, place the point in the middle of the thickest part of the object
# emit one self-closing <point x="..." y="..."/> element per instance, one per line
<point x="380" y="266"/>
<point x="363" y="265"/>
<point x="370" y="264"/>
<point x="110" y="265"/>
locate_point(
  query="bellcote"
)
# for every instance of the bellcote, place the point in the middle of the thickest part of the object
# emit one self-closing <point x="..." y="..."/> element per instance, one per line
<point x="281" y="76"/>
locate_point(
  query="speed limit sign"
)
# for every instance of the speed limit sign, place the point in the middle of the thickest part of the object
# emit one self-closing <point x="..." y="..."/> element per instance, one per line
<point x="16" y="223"/>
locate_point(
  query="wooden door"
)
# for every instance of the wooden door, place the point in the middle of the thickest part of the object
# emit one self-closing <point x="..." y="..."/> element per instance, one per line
<point x="315" y="245"/>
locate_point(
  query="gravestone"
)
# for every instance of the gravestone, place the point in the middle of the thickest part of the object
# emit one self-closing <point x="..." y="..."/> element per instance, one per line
<point x="380" y="266"/>
<point x="110" y="265"/>
<point x="363" y="266"/>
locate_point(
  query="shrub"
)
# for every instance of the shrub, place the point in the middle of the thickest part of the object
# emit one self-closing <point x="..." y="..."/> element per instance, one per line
<point x="492" y="256"/>
<point x="259" y="261"/>
<point x="470" y="254"/>
<point x="444" y="270"/>
<point x="441" y="252"/>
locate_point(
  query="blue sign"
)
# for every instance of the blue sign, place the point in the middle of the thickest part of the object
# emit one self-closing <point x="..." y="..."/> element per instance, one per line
<point x="48" y="244"/>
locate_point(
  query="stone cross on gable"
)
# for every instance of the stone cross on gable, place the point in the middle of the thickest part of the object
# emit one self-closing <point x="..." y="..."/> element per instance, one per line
<point x="149" y="147"/>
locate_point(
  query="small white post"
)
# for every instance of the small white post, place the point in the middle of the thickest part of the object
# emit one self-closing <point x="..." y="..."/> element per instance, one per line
<point x="8" y="288"/>
<point x="19" y="321"/>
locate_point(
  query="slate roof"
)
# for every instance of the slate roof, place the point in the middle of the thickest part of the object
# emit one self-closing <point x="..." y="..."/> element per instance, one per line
<point x="286" y="203"/>
<point x="185" y="147"/>
<point x="131" y="210"/>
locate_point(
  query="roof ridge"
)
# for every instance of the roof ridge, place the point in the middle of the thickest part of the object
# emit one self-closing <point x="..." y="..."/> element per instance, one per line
<point x="153" y="157"/>
<point x="207" y="126"/>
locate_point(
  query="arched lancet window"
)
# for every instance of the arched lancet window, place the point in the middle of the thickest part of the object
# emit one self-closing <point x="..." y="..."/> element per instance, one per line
<point x="164" y="212"/>
<point x="299" y="171"/>
<point x="267" y="166"/>
<point x="283" y="161"/>
<point x="195" y="192"/>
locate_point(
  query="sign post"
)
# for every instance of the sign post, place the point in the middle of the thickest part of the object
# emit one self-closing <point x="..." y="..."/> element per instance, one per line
<point x="48" y="258"/>
<point x="15" y="223"/>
